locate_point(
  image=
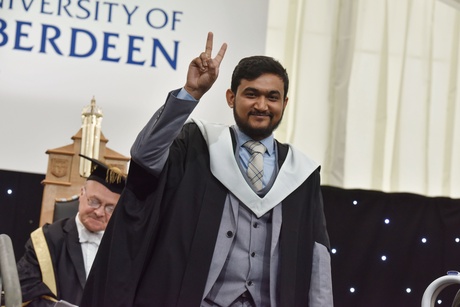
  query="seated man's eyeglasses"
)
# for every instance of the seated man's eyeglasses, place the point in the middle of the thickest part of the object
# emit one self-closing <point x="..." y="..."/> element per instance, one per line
<point x="96" y="204"/>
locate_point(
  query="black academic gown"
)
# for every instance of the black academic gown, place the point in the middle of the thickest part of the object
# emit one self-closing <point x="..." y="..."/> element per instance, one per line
<point x="159" y="243"/>
<point x="68" y="265"/>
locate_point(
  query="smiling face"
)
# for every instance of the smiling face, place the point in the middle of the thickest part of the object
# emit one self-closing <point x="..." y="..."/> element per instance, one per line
<point x="258" y="105"/>
<point x="96" y="219"/>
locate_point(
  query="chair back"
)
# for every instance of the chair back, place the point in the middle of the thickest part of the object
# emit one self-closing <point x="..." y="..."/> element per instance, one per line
<point x="65" y="207"/>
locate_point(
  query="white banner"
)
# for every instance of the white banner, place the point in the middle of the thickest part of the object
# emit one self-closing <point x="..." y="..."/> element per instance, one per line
<point x="55" y="55"/>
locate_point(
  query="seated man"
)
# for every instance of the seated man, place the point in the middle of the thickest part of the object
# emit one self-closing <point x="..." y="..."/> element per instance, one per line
<point x="59" y="256"/>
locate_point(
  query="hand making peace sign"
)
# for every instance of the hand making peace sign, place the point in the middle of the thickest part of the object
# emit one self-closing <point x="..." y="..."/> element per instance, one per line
<point x="204" y="70"/>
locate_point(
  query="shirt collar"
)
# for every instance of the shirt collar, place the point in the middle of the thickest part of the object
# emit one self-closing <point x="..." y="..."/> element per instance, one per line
<point x="269" y="142"/>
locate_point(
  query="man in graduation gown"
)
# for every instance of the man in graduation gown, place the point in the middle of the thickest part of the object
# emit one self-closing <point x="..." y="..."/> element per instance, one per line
<point x="58" y="256"/>
<point x="193" y="228"/>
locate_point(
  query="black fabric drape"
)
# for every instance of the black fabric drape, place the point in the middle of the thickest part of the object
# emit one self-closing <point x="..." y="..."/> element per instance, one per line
<point x="361" y="237"/>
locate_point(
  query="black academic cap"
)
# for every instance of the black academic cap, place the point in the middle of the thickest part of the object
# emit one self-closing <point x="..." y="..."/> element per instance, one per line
<point x="109" y="176"/>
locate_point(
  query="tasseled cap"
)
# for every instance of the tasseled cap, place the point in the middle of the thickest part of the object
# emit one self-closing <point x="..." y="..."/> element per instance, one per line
<point x="109" y="176"/>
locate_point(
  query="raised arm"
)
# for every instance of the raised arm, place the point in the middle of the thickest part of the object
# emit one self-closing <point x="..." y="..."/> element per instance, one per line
<point x="151" y="148"/>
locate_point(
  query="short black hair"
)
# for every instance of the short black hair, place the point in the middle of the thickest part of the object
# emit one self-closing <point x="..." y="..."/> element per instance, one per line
<point x="250" y="68"/>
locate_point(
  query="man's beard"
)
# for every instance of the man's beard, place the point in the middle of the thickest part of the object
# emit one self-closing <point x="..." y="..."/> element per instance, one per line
<point x="256" y="133"/>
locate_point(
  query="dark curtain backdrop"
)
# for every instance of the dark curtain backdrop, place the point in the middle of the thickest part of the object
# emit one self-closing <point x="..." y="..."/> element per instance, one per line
<point x="359" y="234"/>
<point x="20" y="209"/>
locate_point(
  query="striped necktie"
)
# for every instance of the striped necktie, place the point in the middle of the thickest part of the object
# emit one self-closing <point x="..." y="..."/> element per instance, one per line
<point x="256" y="163"/>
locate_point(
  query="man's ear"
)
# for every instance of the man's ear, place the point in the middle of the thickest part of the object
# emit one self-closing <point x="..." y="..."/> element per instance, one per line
<point x="285" y="102"/>
<point x="230" y="98"/>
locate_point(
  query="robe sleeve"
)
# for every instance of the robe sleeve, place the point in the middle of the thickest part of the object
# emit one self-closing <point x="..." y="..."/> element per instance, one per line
<point x="151" y="147"/>
<point x="321" y="276"/>
<point x="321" y="280"/>
<point x="30" y="277"/>
<point x="127" y="250"/>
